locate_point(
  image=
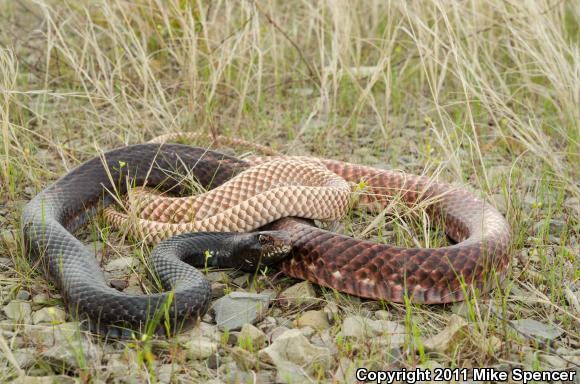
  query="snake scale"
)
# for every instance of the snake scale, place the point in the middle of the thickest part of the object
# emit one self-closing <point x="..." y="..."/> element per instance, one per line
<point x="479" y="258"/>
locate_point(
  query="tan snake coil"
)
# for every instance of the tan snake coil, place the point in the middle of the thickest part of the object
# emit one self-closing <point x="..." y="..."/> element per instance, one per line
<point x="258" y="196"/>
<point x="433" y="275"/>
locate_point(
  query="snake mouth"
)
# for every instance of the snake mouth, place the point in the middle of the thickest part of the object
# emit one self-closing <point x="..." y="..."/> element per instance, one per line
<point x="274" y="243"/>
<point x="265" y="248"/>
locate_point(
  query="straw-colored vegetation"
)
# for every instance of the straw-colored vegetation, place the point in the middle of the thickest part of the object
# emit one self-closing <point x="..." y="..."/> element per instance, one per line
<point x="482" y="93"/>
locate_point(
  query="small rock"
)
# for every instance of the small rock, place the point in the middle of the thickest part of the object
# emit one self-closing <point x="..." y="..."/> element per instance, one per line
<point x="25" y="357"/>
<point x="166" y="371"/>
<point x="450" y="336"/>
<point x="567" y="351"/>
<point x="242" y="281"/>
<point x="345" y="373"/>
<point x="533" y="328"/>
<point x="217" y="290"/>
<point x="294" y="348"/>
<point x="573" y="204"/>
<point x="268" y="323"/>
<point x="52" y="315"/>
<point x="201" y="348"/>
<point x="19" y="311"/>
<point x="251" y="338"/>
<point x="284" y="321"/>
<point x="245" y="359"/>
<point x="276" y="332"/>
<point x="356" y="326"/>
<point x="332" y="311"/>
<point x="276" y="312"/>
<point x="430" y="365"/>
<point x="41" y="298"/>
<point x="117" y="366"/>
<point x="9" y="238"/>
<point x="295" y="358"/>
<point x="534" y="256"/>
<point x="488" y="344"/>
<point x="133" y="285"/>
<point x="48" y="336"/>
<point x="301" y="294"/>
<point x="460" y="309"/>
<point x="201" y="330"/>
<point x="238" y="308"/>
<point x="75" y="354"/>
<point x="308" y="332"/>
<point x="265" y="377"/>
<point x="554" y="227"/>
<point x="554" y="361"/>
<point x="23" y="295"/>
<point x="217" y="277"/>
<point x="214" y="361"/>
<point x="290" y="373"/>
<point x="315" y="319"/>
<point x="391" y="332"/>
<point x="61" y="379"/>
<point x="503" y="367"/>
<point x="238" y="377"/>
<point x="119" y="284"/>
<point x="231" y="374"/>
<point x="573" y="298"/>
<point x="232" y="338"/>
<point x="8" y="325"/>
<point x="122" y="264"/>
<point x="270" y="293"/>
<point x="383" y="315"/>
<point x="326" y="339"/>
<point x="5" y="263"/>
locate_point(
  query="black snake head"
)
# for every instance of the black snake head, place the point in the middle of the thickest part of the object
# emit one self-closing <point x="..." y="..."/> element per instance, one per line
<point x="262" y="248"/>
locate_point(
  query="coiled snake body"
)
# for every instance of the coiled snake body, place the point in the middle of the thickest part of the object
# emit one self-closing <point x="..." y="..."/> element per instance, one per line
<point x="434" y="275"/>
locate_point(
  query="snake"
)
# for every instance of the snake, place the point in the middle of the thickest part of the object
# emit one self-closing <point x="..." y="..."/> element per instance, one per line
<point x="51" y="218"/>
<point x="478" y="261"/>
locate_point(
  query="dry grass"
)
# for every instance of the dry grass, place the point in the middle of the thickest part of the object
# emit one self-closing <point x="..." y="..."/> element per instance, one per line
<point x="484" y="93"/>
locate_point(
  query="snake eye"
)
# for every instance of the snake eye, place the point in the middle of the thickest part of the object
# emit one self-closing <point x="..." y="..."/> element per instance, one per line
<point x="262" y="239"/>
